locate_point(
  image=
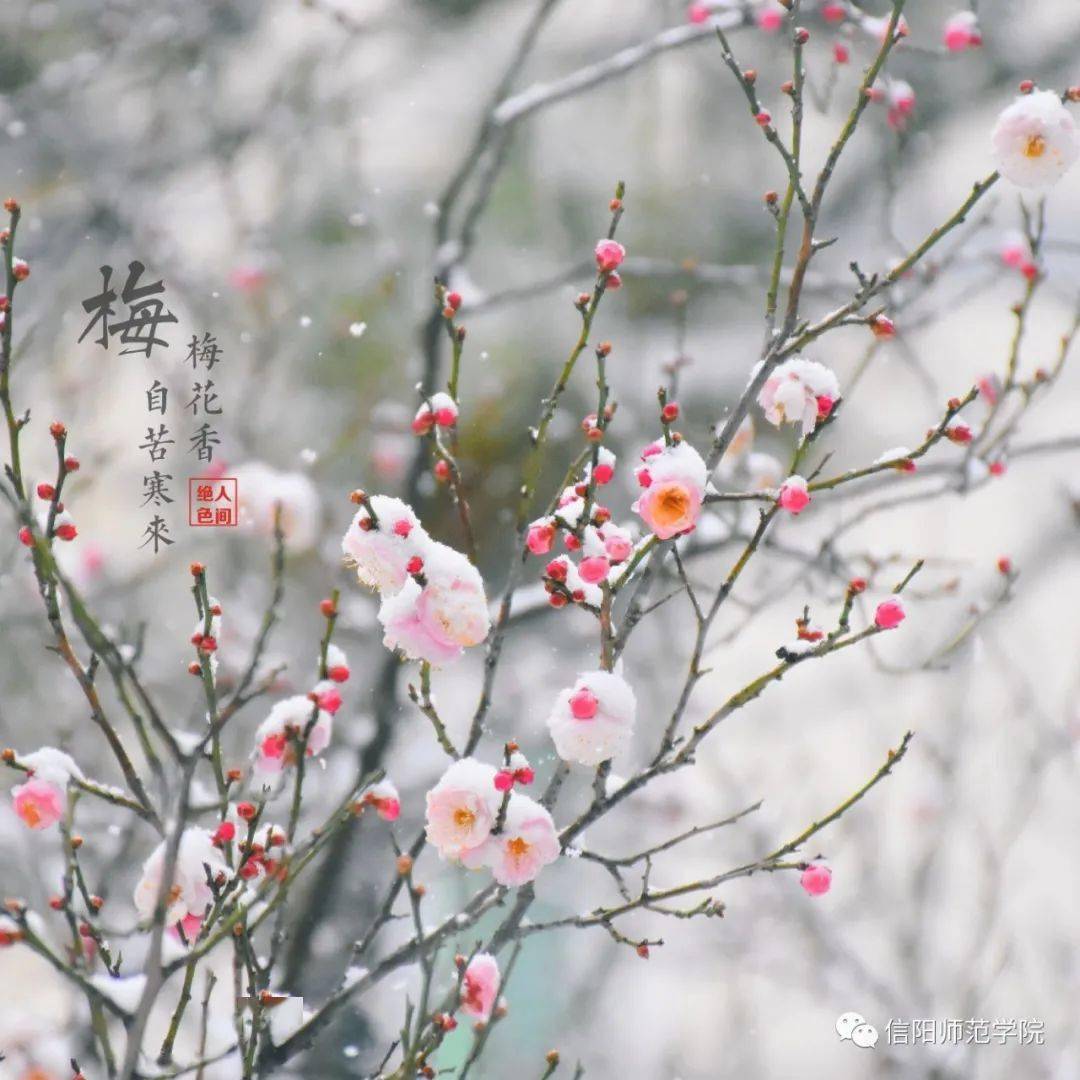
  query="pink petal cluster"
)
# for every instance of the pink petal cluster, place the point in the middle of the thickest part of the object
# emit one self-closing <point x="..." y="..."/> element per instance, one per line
<point x="275" y="737"/>
<point x="439" y="613"/>
<point x="799" y="392"/>
<point x="381" y="550"/>
<point x="41" y="801"/>
<point x="794" y="496"/>
<point x="890" y="613"/>
<point x="816" y="879"/>
<point x="609" y="255"/>
<point x="189" y="894"/>
<point x="770" y="16"/>
<point x="593" y="720"/>
<point x="673" y="478"/>
<point x="1035" y="140"/>
<point x="480" y="987"/>
<point x="901" y="101"/>
<point x="337" y="664"/>
<point x="526" y="844"/>
<point x="386" y="800"/>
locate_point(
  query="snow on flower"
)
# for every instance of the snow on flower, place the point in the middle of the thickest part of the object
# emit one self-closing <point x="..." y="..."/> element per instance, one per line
<point x="1035" y="140"/>
<point x="674" y="479"/>
<point x="386" y="800"/>
<point x="605" y="467"/>
<point x="541" y="535"/>
<point x="461" y="808"/>
<point x="41" y="801"/>
<point x="440" y="409"/>
<point x="438" y="620"/>
<point x="328" y="696"/>
<point x="262" y="488"/>
<point x="594" y="719"/>
<point x="288" y="720"/>
<point x="816" y="879"/>
<point x="901" y="101"/>
<point x="878" y="26"/>
<point x="381" y="552"/>
<point x="526" y="844"/>
<point x="899" y="457"/>
<point x="961" y="31"/>
<point x="337" y="664"/>
<point x="794" y="496"/>
<point x="480" y="986"/>
<point x="799" y="391"/>
<point x="189" y="894"/>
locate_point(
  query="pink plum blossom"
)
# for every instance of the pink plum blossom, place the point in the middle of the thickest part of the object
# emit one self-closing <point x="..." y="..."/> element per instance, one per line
<point x="961" y="31"/>
<point x="541" y="536"/>
<point x="461" y="808"/>
<point x="337" y="664"/>
<point x="697" y="13"/>
<point x="440" y="409"/>
<point x="799" y="392"/>
<point x="328" y="696"/>
<point x="189" y="894"/>
<point x="794" y="496"/>
<point x="816" y="879"/>
<point x="890" y="613"/>
<point x="1035" y="140"/>
<point x="593" y="720"/>
<point x="674" y="479"/>
<point x="436" y="622"/>
<point x="901" y="102"/>
<point x="480" y="987"/>
<point x="770" y="16"/>
<point x="526" y="844"/>
<point x="275" y="737"/>
<point x="380" y="551"/>
<point x="609" y="255"/>
<point x="39" y="803"/>
<point x="386" y="800"/>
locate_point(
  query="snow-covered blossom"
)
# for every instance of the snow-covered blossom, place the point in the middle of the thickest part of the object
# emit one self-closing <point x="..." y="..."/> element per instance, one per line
<point x="674" y="479"/>
<point x="438" y="620"/>
<point x="605" y="467"/>
<point x="260" y="488"/>
<point x="462" y="807"/>
<point x="594" y="719"/>
<point x="526" y="844"/>
<point x="381" y="552"/>
<point x="385" y="798"/>
<point x="794" y="496"/>
<point x="878" y="26"/>
<point x="1035" y="140"/>
<point x="961" y="31"/>
<point x="541" y="535"/>
<point x="327" y="695"/>
<point x="618" y="544"/>
<point x="337" y="663"/>
<point x="440" y="409"/>
<point x="517" y="770"/>
<point x="816" y="879"/>
<point x="900" y="456"/>
<point x="41" y="801"/>
<point x="799" y="391"/>
<point x="288" y="720"/>
<point x="890" y="613"/>
<point x="480" y="986"/>
<point x="189" y="893"/>
<point x="901" y="102"/>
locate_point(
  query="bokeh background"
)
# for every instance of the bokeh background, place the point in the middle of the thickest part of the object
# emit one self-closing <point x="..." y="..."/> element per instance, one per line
<point x="281" y="166"/>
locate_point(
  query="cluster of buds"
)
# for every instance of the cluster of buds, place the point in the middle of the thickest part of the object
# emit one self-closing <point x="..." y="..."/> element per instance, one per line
<point x="609" y="255"/>
<point x="439" y="410"/>
<point x="516" y="769"/>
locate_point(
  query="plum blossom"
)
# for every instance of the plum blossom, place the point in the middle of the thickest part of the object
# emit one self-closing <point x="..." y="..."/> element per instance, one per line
<point x="41" y="801"/>
<point x="327" y="695"/>
<point x="605" y="467"/>
<point x="890" y="613"/>
<point x="189" y="894"/>
<point x="541" y="535"/>
<point x="261" y="489"/>
<point x="380" y="552"/>
<point x="288" y="720"/>
<point x="770" y="16"/>
<point x="878" y="26"/>
<point x="337" y="664"/>
<point x="961" y="31"/>
<point x="799" y="391"/>
<point x="385" y="798"/>
<point x="816" y="879"/>
<point x="480" y="986"/>
<point x="593" y="720"/>
<point x="1035" y="140"/>
<point x="609" y="255"/>
<point x="526" y="844"/>
<point x="794" y="496"/>
<point x="437" y="620"/>
<point x="674" y="479"/>
<point x="899" y="457"/>
<point x="462" y="808"/>
<point x="440" y="409"/>
<point x="901" y="102"/>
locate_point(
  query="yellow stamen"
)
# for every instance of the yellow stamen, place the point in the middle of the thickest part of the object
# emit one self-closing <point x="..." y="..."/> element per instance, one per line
<point x="1035" y="146"/>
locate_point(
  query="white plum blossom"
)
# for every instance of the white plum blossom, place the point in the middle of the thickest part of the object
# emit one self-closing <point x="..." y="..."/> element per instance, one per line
<point x="438" y="620"/>
<point x="1035" y="140"/>
<point x="594" y="719"/>
<point x="260" y="489"/>
<point x="189" y="894"/>
<point x="381" y="551"/>
<point x="799" y="392"/>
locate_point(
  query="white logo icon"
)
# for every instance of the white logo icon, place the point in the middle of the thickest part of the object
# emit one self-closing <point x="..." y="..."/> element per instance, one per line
<point x="852" y="1027"/>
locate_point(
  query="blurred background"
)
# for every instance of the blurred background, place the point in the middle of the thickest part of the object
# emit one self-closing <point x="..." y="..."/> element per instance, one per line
<point x="293" y="172"/>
